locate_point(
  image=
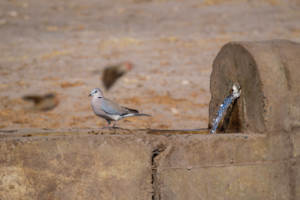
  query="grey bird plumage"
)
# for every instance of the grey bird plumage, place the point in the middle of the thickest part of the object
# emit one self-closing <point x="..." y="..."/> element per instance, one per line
<point x="109" y="110"/>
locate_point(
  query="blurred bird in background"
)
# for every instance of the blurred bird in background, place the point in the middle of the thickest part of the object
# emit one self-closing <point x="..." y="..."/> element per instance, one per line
<point x="43" y="102"/>
<point x="112" y="73"/>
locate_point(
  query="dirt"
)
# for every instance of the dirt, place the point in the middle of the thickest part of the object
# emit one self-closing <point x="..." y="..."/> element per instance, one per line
<point x="55" y="46"/>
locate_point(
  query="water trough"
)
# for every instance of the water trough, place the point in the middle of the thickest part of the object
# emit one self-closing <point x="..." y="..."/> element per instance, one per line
<point x="254" y="155"/>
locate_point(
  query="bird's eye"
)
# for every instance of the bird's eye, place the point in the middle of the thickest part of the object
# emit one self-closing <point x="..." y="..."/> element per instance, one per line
<point x="95" y="91"/>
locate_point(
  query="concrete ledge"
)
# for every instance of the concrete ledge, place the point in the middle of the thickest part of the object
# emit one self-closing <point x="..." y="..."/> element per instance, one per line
<point x="146" y="164"/>
<point x="228" y="166"/>
<point x="76" y="167"/>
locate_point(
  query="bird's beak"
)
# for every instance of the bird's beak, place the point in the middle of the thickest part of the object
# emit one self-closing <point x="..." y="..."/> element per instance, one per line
<point x="90" y="95"/>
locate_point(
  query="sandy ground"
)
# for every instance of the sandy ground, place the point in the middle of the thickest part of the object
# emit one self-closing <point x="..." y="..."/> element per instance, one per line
<point x="54" y="46"/>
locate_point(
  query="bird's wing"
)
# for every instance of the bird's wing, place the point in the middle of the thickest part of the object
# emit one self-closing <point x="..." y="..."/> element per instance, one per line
<point x="112" y="108"/>
<point x="132" y="110"/>
<point x="110" y="75"/>
<point x="34" y="98"/>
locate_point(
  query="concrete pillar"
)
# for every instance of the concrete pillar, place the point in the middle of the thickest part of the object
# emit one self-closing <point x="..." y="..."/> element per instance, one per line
<point x="268" y="72"/>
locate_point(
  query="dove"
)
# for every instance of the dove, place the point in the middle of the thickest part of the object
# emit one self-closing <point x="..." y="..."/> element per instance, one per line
<point x="43" y="102"/>
<point x="112" y="73"/>
<point x="109" y="110"/>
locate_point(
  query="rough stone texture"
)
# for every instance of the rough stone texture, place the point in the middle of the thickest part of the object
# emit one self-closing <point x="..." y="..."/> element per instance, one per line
<point x="268" y="72"/>
<point x="76" y="167"/>
<point x="146" y="164"/>
<point x="227" y="166"/>
<point x="296" y="188"/>
<point x="296" y="142"/>
<point x="244" y="182"/>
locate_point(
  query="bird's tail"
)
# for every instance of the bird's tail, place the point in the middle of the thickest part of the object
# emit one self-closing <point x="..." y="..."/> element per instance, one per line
<point x="139" y="114"/>
<point x="136" y="114"/>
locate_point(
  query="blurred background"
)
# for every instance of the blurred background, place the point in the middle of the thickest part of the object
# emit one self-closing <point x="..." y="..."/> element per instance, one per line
<point x="61" y="47"/>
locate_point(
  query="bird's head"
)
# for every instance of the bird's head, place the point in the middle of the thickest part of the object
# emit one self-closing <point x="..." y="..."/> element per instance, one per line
<point x="96" y="93"/>
<point x="128" y="66"/>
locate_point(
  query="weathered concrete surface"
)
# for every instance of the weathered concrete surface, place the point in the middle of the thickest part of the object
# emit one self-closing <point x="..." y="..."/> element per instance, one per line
<point x="139" y="164"/>
<point x="227" y="166"/>
<point x="227" y="182"/>
<point x="268" y="72"/>
<point x="296" y="170"/>
<point x="76" y="167"/>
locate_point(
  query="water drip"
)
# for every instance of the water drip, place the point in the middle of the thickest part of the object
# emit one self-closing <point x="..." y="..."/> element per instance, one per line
<point x="234" y="94"/>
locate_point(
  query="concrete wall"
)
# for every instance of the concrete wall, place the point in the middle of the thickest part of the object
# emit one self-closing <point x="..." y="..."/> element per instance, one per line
<point x="229" y="166"/>
<point x="117" y="164"/>
<point x="69" y="165"/>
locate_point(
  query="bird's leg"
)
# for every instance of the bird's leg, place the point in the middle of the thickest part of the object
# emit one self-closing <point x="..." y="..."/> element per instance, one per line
<point x="114" y="124"/>
<point x="108" y="123"/>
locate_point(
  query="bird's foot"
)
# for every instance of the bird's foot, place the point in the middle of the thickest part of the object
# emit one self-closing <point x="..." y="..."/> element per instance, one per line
<point x="113" y="126"/>
<point x="105" y="127"/>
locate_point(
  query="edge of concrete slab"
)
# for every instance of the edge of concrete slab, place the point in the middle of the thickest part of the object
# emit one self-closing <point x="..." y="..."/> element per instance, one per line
<point x="85" y="131"/>
<point x="172" y="158"/>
